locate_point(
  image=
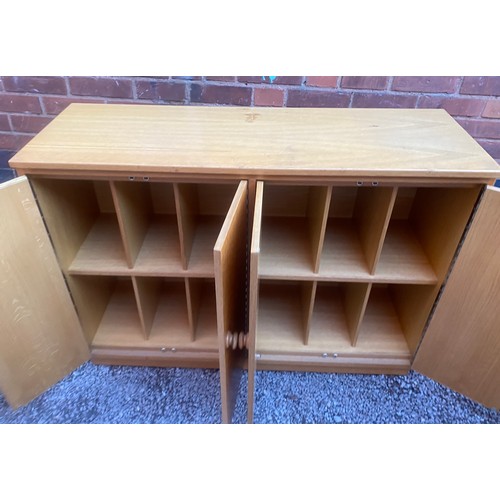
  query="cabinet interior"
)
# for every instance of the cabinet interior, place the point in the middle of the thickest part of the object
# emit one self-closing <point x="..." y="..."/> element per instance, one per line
<point x="138" y="259"/>
<point x="351" y="270"/>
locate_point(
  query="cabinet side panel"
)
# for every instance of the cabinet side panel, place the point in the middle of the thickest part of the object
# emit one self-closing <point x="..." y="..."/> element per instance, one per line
<point x="461" y="348"/>
<point x="40" y="339"/>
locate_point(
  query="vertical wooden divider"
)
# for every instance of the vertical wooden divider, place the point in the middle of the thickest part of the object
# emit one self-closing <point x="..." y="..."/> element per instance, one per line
<point x="253" y="299"/>
<point x="317" y="214"/>
<point x="308" y="293"/>
<point x="373" y="212"/>
<point x="355" y="300"/>
<point x="193" y="298"/>
<point x="147" y="294"/>
<point x="133" y="209"/>
<point x="187" y="208"/>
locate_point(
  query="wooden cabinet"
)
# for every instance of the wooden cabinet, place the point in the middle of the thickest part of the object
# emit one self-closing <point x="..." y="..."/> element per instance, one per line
<point x="243" y="238"/>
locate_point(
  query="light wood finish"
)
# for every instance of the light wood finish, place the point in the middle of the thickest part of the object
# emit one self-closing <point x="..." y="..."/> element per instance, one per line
<point x="403" y="256"/>
<point x="163" y="198"/>
<point x="308" y="294"/>
<point x="91" y="296"/>
<point x="253" y="296"/>
<point x="461" y="347"/>
<point x="280" y="324"/>
<point x="372" y="213"/>
<point x="198" y="140"/>
<point x="70" y="209"/>
<point x="317" y="215"/>
<point x="439" y="217"/>
<point x="121" y="327"/>
<point x="102" y="251"/>
<point x="133" y="208"/>
<point x="340" y="364"/>
<point x="285" y="247"/>
<point x="186" y="202"/>
<point x="356" y="298"/>
<point x="160" y="253"/>
<point x="147" y="295"/>
<point x="230" y="274"/>
<point x="193" y="297"/>
<point x="413" y="304"/>
<point x="35" y="351"/>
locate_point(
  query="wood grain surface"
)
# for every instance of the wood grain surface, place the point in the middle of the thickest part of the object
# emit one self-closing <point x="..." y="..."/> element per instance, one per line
<point x="256" y="141"/>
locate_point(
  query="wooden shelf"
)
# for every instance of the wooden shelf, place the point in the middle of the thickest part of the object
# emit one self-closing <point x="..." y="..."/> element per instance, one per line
<point x="381" y="332"/>
<point x="121" y="326"/>
<point x="102" y="251"/>
<point x="160" y="251"/>
<point x="285" y="249"/>
<point x="280" y="326"/>
<point x="342" y="257"/>
<point x="201" y="259"/>
<point x="403" y="259"/>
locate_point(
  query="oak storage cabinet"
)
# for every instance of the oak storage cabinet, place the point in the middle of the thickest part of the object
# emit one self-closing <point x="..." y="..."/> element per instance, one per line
<point x="251" y="238"/>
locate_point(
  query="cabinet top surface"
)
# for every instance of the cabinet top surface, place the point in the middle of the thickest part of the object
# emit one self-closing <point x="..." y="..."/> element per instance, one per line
<point x="255" y="141"/>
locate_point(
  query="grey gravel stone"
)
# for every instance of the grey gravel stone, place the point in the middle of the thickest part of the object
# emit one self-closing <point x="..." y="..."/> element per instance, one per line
<point x="142" y="395"/>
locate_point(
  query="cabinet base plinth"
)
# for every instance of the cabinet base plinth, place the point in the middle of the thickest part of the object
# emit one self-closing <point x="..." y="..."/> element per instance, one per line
<point x="145" y="357"/>
<point x="388" y="366"/>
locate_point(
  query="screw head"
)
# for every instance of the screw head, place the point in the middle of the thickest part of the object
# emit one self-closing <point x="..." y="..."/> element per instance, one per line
<point x="173" y="349"/>
<point x="257" y="356"/>
<point x="163" y="349"/>
<point x="335" y="355"/>
<point x="325" y="355"/>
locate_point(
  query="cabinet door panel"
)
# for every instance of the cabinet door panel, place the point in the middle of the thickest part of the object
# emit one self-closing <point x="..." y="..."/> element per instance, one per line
<point x="461" y="348"/>
<point x="230" y="277"/>
<point x="40" y="337"/>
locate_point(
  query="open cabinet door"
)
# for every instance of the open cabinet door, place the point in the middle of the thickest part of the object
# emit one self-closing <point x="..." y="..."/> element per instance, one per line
<point x="230" y="277"/>
<point x="40" y="336"/>
<point x="461" y="348"/>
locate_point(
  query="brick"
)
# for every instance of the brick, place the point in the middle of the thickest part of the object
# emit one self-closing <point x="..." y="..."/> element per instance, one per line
<point x="491" y="147"/>
<point x="165" y="91"/>
<point x="15" y="103"/>
<point x="373" y="100"/>
<point x="252" y="79"/>
<point x="492" y="109"/>
<point x="13" y="142"/>
<point x="444" y="84"/>
<point x="100" y="87"/>
<point x="4" y="123"/>
<point x="35" y="84"/>
<point x="221" y="94"/>
<point x="54" y="105"/>
<point x="481" y="85"/>
<point x="484" y="129"/>
<point x="279" y="80"/>
<point x="322" y="81"/>
<point x="269" y="97"/>
<point x="5" y="156"/>
<point x="317" y="99"/>
<point x="221" y="78"/>
<point x="456" y="106"/>
<point x="364" y="82"/>
<point x="29" y="123"/>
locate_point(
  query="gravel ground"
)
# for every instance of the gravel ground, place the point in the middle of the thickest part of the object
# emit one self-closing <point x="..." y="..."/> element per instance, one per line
<point x="116" y="394"/>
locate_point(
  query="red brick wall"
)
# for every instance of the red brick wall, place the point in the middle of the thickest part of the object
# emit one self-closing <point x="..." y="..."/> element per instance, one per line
<point x="27" y="104"/>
